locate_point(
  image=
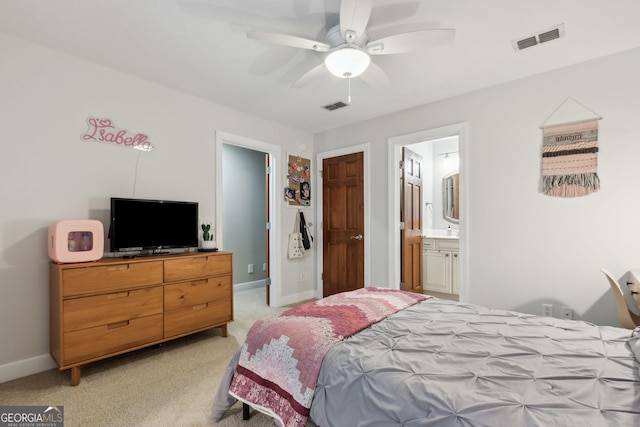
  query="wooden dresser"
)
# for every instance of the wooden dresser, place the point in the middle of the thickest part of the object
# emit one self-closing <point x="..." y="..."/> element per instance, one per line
<point x="114" y="305"/>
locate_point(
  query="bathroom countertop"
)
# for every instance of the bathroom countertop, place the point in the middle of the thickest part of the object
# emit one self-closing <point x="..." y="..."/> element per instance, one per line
<point x="441" y="234"/>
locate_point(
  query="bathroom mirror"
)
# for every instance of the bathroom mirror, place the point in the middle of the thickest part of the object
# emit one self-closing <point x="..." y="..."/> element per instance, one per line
<point x="451" y="199"/>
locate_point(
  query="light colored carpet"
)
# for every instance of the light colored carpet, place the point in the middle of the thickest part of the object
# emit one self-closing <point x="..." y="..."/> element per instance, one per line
<point x="168" y="385"/>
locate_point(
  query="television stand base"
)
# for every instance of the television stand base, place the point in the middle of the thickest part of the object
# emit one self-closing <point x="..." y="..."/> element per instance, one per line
<point x="146" y="254"/>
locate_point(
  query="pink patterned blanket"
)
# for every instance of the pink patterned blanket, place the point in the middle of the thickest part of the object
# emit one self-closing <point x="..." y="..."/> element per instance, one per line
<point x="281" y="358"/>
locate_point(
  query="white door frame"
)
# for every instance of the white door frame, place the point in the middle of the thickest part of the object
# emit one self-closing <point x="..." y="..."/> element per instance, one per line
<point x="364" y="148"/>
<point x="275" y="152"/>
<point x="394" y="156"/>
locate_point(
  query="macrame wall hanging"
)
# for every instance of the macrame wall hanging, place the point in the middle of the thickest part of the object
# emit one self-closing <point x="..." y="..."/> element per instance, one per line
<point x="570" y="151"/>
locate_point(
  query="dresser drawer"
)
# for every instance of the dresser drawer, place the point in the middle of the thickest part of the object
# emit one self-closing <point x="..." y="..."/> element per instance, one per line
<point x="196" y="267"/>
<point x="200" y="316"/>
<point x="428" y="244"/>
<point x="106" y="278"/>
<point x="87" y="312"/>
<point x="448" y="245"/>
<point x="187" y="294"/>
<point x="102" y="340"/>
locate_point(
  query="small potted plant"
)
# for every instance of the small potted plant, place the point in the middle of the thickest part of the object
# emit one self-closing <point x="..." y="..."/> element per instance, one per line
<point x="208" y="238"/>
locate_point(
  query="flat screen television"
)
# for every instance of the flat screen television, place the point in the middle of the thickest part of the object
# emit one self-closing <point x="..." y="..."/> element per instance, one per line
<point x="139" y="224"/>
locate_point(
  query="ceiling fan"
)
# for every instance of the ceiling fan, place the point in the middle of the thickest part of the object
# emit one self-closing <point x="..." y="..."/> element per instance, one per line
<point x="350" y="49"/>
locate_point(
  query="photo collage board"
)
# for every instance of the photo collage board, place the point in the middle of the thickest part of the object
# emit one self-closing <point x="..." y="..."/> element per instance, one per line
<point x="298" y="190"/>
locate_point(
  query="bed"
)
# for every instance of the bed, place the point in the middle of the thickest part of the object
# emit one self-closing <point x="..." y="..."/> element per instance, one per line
<point x="424" y="361"/>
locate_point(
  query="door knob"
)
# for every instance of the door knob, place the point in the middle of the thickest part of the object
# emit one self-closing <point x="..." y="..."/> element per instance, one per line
<point x="358" y="237"/>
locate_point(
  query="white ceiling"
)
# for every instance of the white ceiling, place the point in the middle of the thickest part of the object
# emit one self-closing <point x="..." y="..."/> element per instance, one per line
<point x="200" y="47"/>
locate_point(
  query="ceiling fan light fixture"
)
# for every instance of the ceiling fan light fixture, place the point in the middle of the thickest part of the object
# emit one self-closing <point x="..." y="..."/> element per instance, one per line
<point x="347" y="62"/>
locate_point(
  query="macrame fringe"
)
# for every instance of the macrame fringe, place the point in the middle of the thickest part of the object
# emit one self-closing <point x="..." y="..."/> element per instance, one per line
<point x="576" y="185"/>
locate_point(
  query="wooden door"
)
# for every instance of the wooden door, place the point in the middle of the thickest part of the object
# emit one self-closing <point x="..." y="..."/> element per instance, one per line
<point x="343" y="223"/>
<point x="267" y="166"/>
<point x="411" y="217"/>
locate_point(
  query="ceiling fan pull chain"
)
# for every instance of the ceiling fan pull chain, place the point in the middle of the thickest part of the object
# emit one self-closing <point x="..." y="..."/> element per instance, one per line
<point x="348" y="90"/>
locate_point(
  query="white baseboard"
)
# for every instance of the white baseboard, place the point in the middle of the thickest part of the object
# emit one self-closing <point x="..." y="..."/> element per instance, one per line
<point x="288" y="300"/>
<point x="297" y="298"/>
<point x="250" y="285"/>
<point x="26" y="367"/>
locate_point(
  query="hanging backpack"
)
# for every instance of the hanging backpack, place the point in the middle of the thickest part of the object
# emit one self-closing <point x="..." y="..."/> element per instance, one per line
<point x="307" y="238"/>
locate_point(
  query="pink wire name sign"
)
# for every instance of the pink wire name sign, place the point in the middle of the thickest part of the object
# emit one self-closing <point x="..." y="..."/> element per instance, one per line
<point x="103" y="130"/>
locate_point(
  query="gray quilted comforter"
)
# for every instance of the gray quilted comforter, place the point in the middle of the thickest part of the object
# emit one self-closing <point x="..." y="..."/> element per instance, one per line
<point x="441" y="363"/>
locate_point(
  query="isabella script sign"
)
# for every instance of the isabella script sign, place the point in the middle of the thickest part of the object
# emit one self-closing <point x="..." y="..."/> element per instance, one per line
<point x="103" y="130"/>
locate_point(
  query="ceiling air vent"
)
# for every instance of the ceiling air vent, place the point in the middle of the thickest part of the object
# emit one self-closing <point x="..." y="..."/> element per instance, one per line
<point x="542" y="37"/>
<point x="335" y="106"/>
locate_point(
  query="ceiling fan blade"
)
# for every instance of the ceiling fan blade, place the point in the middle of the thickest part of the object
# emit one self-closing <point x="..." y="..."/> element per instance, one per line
<point x="374" y="76"/>
<point x="411" y="41"/>
<point x="287" y="40"/>
<point x="383" y="15"/>
<point x="310" y="75"/>
<point x="354" y="17"/>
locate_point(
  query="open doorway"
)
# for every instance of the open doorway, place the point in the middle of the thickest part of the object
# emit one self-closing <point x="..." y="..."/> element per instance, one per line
<point x="395" y="156"/>
<point x="246" y="213"/>
<point x="435" y="255"/>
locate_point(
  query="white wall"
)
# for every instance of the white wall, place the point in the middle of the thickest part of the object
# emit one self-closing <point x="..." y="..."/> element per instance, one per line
<point x="525" y="248"/>
<point x="442" y="167"/>
<point x="47" y="173"/>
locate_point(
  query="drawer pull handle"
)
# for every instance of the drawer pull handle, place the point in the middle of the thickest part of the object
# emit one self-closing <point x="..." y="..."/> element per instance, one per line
<point x="201" y="306"/>
<point x="118" y="295"/>
<point x="118" y="324"/>
<point x="118" y="267"/>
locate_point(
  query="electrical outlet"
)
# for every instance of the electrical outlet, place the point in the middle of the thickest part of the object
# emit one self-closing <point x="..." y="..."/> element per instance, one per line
<point x="304" y="276"/>
<point x="250" y="269"/>
<point x="547" y="310"/>
<point x="566" y="312"/>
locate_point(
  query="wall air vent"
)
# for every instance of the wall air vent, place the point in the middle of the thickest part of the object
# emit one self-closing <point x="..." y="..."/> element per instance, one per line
<point x="335" y="106"/>
<point x="553" y="33"/>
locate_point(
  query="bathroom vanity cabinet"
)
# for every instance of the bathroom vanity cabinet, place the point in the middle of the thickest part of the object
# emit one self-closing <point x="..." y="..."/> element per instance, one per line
<point x="440" y="264"/>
